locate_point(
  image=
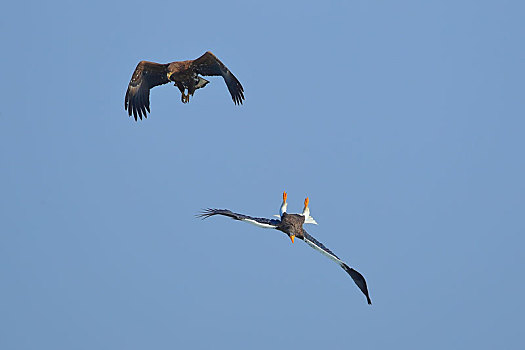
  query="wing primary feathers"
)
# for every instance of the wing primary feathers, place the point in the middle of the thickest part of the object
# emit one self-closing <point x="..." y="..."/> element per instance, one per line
<point x="142" y="106"/>
<point x="261" y="222"/>
<point x="146" y="76"/>
<point x="138" y="103"/>
<point x="358" y="279"/>
<point x="208" y="212"/>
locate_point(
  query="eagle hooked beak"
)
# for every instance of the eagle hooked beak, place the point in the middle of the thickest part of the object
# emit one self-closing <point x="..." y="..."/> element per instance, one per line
<point x="292" y="238"/>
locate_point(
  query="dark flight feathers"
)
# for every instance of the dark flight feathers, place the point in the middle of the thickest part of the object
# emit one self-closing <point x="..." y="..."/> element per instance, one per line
<point x="209" y="65"/>
<point x="146" y="76"/>
<point x="236" y="216"/>
<point x="356" y="276"/>
<point x="184" y="74"/>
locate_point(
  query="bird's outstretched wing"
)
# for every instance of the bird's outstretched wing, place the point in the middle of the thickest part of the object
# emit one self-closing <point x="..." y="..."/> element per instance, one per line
<point x="261" y="222"/>
<point x="356" y="276"/>
<point x="146" y="76"/>
<point x="209" y="64"/>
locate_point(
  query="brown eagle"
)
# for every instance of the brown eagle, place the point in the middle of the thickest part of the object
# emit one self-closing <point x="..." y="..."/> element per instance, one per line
<point x="185" y="75"/>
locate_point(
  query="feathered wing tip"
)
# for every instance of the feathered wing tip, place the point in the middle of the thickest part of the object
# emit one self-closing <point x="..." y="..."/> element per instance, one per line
<point x="235" y="88"/>
<point x="209" y="64"/>
<point x="359" y="280"/>
<point x="261" y="222"/>
<point x="146" y="76"/>
<point x="136" y="102"/>
<point x="206" y="213"/>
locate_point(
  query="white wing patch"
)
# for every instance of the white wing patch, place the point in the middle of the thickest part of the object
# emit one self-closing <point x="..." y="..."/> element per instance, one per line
<point x="256" y="223"/>
<point x="319" y="249"/>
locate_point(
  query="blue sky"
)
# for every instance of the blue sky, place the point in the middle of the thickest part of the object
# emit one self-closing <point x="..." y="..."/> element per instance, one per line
<point x="402" y="121"/>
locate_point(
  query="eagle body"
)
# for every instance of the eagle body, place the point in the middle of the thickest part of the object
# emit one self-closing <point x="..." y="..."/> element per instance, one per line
<point x="185" y="75"/>
<point x="185" y="78"/>
<point x="292" y="224"/>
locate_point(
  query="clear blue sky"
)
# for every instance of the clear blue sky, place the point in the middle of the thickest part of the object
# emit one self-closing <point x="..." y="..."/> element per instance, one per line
<point x="403" y="121"/>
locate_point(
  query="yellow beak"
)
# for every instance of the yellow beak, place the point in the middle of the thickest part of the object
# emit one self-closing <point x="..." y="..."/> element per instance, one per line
<point x="292" y="237"/>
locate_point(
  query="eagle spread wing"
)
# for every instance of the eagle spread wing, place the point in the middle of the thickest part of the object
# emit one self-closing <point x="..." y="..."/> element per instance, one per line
<point x="261" y="222"/>
<point x="356" y="276"/>
<point x="146" y="76"/>
<point x="208" y="64"/>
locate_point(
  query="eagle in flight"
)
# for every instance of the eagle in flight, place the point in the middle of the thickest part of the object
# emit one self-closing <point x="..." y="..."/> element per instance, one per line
<point x="185" y="75"/>
<point x="292" y="226"/>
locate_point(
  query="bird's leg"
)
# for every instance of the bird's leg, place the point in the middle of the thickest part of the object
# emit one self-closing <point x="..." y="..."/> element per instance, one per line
<point x="191" y="90"/>
<point x="181" y="89"/>
<point x="184" y="98"/>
